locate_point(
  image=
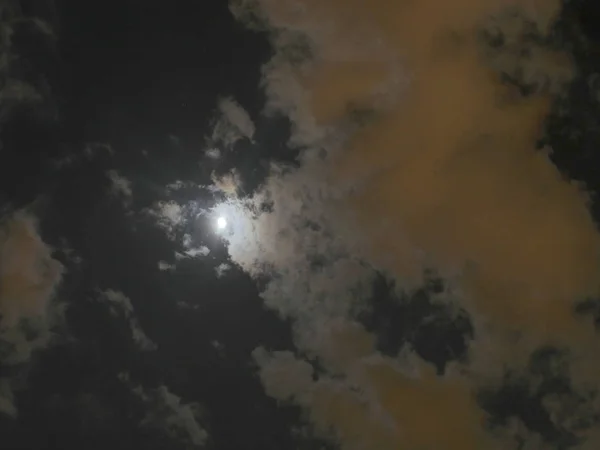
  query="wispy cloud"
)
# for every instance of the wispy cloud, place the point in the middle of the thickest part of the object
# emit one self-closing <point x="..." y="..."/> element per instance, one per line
<point x="121" y="306"/>
<point x="168" y="413"/>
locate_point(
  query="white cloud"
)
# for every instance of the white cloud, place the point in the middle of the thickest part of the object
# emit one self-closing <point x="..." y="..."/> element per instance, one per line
<point x="168" y="215"/>
<point x="198" y="251"/>
<point x="222" y="269"/>
<point x="191" y="250"/>
<point x="213" y="153"/>
<point x="234" y="124"/>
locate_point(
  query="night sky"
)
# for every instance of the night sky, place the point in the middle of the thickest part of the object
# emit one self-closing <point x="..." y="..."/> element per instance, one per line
<point x="265" y="224"/>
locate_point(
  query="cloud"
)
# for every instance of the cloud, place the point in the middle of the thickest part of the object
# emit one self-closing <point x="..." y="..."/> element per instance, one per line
<point x="283" y="231"/>
<point x="181" y="221"/>
<point x="16" y="88"/>
<point x="92" y="151"/>
<point x="213" y="153"/>
<point x="453" y="169"/>
<point x="193" y="252"/>
<point x="168" y="215"/>
<point x="120" y="305"/>
<point x="229" y="183"/>
<point x="380" y="406"/>
<point x="7" y="405"/>
<point x="179" y="185"/>
<point x="233" y="124"/>
<point x="420" y="122"/>
<point x="29" y="277"/>
<point x="165" y="266"/>
<point x="222" y="269"/>
<point x="18" y="92"/>
<point x="173" y="218"/>
<point x="120" y="187"/>
<point x="166" y="412"/>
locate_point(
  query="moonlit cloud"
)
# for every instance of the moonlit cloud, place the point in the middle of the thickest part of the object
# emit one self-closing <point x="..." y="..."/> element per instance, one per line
<point x="228" y="183"/>
<point x="194" y="252"/>
<point x="284" y="230"/>
<point x="429" y="134"/>
<point x="168" y="215"/>
<point x="233" y="124"/>
<point x="221" y="223"/>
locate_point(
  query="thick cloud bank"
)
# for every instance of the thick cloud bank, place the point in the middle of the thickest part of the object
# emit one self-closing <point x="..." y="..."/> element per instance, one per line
<point x="419" y="123"/>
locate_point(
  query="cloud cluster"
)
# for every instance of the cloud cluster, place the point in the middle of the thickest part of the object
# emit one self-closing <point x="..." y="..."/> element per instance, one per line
<point x="284" y="230"/>
<point x="420" y="121"/>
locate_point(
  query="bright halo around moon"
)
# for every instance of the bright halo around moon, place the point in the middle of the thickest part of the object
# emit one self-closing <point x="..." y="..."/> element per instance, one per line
<point x="221" y="223"/>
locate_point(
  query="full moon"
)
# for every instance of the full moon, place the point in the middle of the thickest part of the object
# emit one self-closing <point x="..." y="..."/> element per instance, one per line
<point x="221" y="223"/>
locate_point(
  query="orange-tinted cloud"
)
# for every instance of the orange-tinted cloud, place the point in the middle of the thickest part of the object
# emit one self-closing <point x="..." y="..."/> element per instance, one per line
<point x="451" y="168"/>
<point x="379" y="405"/>
<point x="447" y="176"/>
<point x="454" y="167"/>
<point x="28" y="280"/>
<point x="28" y="274"/>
